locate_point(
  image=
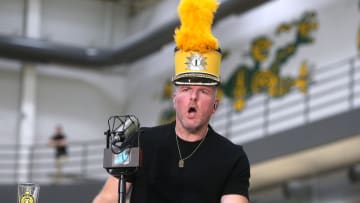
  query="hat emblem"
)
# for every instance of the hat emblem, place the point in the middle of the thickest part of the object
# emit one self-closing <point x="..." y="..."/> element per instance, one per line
<point x="196" y="62"/>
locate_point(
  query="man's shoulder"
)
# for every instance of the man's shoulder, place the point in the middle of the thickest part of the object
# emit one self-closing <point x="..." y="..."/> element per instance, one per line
<point x="225" y="143"/>
<point x="158" y="127"/>
<point x="155" y="135"/>
<point x="158" y="130"/>
<point x="58" y="136"/>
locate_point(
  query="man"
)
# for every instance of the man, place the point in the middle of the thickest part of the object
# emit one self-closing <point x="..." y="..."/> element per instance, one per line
<point x="187" y="161"/>
<point x="222" y="171"/>
<point x="59" y="142"/>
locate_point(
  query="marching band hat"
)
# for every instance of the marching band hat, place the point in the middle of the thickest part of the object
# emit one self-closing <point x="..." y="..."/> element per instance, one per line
<point x="197" y="53"/>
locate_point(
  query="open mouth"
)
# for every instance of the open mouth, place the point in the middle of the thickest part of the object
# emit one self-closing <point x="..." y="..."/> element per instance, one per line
<point x="192" y="110"/>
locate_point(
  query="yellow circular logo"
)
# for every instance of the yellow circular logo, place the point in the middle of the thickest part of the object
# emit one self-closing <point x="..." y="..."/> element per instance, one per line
<point x="27" y="198"/>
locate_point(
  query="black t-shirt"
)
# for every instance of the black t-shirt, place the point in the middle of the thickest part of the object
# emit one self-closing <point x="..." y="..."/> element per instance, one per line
<point x="60" y="150"/>
<point x="218" y="167"/>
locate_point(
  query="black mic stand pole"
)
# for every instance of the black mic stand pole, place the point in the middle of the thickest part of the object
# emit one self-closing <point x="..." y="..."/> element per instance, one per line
<point x="122" y="188"/>
<point x="118" y="168"/>
<point x="122" y="183"/>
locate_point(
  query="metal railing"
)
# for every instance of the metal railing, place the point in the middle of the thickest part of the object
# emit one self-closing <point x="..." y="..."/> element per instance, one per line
<point x="334" y="88"/>
<point x="84" y="162"/>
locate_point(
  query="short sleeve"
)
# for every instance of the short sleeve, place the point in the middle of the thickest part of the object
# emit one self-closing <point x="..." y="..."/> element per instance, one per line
<point x="238" y="180"/>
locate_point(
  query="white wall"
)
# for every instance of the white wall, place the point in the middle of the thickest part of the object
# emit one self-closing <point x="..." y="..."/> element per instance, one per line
<point x="82" y="23"/>
<point x="9" y="104"/>
<point x="11" y="19"/>
<point x="81" y="107"/>
<point x="76" y="97"/>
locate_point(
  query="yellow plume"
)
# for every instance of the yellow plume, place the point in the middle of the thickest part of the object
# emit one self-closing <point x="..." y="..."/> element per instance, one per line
<point x="196" y="17"/>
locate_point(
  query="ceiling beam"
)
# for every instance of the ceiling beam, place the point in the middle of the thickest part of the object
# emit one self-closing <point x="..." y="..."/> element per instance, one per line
<point x="41" y="51"/>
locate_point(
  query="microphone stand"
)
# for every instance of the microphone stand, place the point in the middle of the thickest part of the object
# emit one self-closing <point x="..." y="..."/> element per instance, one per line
<point x="121" y="174"/>
<point x="122" y="189"/>
<point x="130" y="160"/>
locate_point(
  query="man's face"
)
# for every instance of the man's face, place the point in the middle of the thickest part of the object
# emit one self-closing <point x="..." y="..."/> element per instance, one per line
<point x="58" y="130"/>
<point x="194" y="105"/>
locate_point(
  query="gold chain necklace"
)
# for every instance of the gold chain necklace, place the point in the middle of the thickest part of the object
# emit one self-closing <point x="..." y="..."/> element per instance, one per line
<point x="182" y="160"/>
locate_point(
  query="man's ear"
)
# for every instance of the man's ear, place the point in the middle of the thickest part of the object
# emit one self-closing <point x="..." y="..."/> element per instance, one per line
<point x="174" y="99"/>
<point x="216" y="104"/>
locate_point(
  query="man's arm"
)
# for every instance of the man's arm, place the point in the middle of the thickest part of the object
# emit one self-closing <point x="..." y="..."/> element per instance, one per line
<point x="233" y="198"/>
<point x="109" y="193"/>
<point x="57" y="143"/>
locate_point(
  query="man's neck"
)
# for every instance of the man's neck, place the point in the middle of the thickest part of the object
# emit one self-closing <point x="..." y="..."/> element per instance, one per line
<point x="191" y="135"/>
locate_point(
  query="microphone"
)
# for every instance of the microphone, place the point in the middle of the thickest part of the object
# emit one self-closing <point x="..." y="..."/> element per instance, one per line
<point x="128" y="127"/>
<point x="122" y="156"/>
<point x="125" y="127"/>
<point x="122" y="153"/>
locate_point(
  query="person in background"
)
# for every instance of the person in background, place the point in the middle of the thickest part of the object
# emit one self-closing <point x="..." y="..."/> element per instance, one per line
<point x="59" y="142"/>
<point x="187" y="161"/>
